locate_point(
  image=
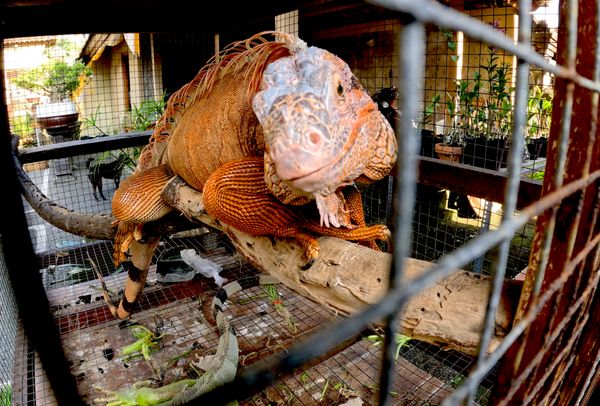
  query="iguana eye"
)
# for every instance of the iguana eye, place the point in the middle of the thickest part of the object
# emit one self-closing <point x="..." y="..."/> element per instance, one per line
<point x="340" y="89"/>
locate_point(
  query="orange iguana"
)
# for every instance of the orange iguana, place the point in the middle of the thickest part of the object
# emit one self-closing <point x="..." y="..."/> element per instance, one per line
<point x="299" y="109"/>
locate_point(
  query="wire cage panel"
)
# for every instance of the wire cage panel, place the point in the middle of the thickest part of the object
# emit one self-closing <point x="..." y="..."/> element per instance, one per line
<point x="471" y="76"/>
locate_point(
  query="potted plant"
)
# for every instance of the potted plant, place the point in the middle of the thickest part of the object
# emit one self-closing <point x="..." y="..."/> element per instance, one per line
<point x="451" y="146"/>
<point x="56" y="79"/>
<point x="539" y="115"/>
<point x="488" y="114"/>
<point x="428" y="136"/>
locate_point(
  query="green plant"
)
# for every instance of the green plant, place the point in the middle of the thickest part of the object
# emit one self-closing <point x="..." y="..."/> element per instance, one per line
<point x="146" y="343"/>
<point x="6" y="395"/>
<point x="481" y="103"/>
<point x="539" y="113"/>
<point x="57" y="78"/>
<point x="92" y="120"/>
<point x="276" y="301"/>
<point x="498" y="104"/>
<point x="452" y="44"/>
<point x="401" y="341"/>
<point x="144" y="116"/>
<point x="430" y="110"/>
<point x="23" y="127"/>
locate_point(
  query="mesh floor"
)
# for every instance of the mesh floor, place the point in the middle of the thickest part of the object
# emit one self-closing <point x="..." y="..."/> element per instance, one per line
<point x="181" y="314"/>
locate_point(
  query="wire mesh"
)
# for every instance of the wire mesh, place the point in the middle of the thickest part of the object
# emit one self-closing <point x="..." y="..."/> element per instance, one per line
<point x="467" y="91"/>
<point x="8" y="330"/>
<point x="182" y="313"/>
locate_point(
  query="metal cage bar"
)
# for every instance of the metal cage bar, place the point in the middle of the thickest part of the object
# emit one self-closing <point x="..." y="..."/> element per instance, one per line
<point x="414" y="15"/>
<point x="411" y="80"/>
<point x="512" y="189"/>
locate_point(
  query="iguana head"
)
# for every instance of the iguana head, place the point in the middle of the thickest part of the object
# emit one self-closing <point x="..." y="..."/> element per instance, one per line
<point x="322" y="129"/>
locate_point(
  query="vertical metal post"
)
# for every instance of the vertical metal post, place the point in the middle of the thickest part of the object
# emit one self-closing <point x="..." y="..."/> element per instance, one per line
<point x="412" y="58"/>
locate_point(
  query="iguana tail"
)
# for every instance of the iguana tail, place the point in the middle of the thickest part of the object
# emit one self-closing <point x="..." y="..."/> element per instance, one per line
<point x="137" y="272"/>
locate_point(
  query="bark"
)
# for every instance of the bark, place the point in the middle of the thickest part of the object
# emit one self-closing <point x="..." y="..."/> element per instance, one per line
<point x="94" y="226"/>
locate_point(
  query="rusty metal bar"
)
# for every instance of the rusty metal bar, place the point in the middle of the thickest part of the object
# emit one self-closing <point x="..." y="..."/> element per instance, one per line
<point x="556" y="388"/>
<point x="588" y="380"/>
<point x="412" y="57"/>
<point x="515" y="159"/>
<point x="562" y="148"/>
<point x="540" y="355"/>
<point x="574" y="336"/>
<point x="559" y="174"/>
<point x="519" y="328"/>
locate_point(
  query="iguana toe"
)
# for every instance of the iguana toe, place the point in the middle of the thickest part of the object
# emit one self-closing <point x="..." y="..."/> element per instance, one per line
<point x="333" y="211"/>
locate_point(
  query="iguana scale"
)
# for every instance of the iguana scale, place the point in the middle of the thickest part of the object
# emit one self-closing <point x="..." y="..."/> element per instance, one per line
<point x="298" y="108"/>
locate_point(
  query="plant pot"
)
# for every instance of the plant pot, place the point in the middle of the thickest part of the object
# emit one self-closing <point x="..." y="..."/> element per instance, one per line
<point x="57" y="114"/>
<point x="60" y="120"/>
<point x="428" y="140"/>
<point x="448" y="153"/>
<point x="485" y="153"/>
<point x="537" y="147"/>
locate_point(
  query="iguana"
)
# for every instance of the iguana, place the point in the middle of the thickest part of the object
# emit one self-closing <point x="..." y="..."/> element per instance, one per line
<point x="299" y="108"/>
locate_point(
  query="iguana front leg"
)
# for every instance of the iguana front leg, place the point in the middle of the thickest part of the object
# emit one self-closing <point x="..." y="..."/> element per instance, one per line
<point x="137" y="201"/>
<point x="236" y="194"/>
<point x="138" y="198"/>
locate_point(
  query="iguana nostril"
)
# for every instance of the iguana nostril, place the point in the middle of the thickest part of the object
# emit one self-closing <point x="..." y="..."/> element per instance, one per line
<point x="314" y="137"/>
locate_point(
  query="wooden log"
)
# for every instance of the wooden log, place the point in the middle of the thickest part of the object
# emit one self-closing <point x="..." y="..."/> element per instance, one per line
<point x="347" y="277"/>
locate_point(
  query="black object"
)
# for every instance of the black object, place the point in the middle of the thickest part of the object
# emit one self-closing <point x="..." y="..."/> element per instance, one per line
<point x="537" y="148"/>
<point x="171" y="268"/>
<point x="485" y="153"/>
<point x="385" y="99"/>
<point x="109" y="170"/>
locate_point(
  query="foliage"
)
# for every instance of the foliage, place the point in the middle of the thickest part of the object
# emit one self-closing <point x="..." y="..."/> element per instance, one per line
<point x="401" y="341"/>
<point x="92" y="120"/>
<point x="144" y="116"/>
<point x="23" y="127"/>
<point x="141" y="394"/>
<point x="276" y="301"/>
<point x="430" y="109"/>
<point x="498" y="104"/>
<point x="452" y="44"/>
<point x="539" y="113"/>
<point x="57" y="78"/>
<point x="146" y="342"/>
<point x="481" y="103"/>
<point x="6" y="395"/>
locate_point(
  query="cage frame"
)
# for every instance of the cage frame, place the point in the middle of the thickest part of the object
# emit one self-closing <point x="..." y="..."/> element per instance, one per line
<point x="39" y="324"/>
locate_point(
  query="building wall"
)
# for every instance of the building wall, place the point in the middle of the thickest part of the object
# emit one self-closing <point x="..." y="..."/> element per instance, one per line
<point x="105" y="103"/>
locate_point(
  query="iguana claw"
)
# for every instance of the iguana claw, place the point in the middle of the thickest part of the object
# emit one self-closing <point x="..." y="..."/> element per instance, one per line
<point x="333" y="211"/>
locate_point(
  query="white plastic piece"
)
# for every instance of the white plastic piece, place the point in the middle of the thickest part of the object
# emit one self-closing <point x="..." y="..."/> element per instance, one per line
<point x="203" y="266"/>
